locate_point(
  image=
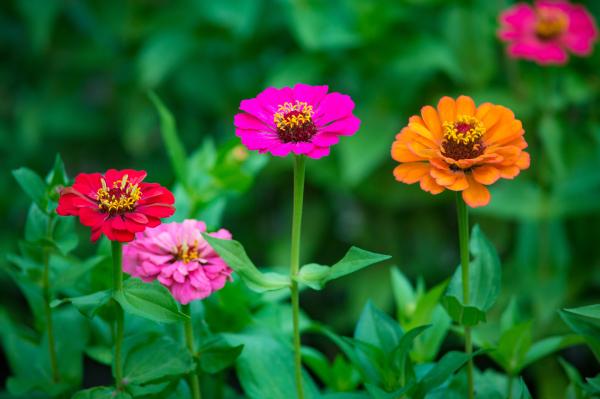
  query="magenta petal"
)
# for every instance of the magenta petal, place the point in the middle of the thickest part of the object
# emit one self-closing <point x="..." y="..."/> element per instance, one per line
<point x="271" y="98"/>
<point x="318" y="152"/>
<point x="334" y="106"/>
<point x="310" y="94"/>
<point x="345" y="127"/>
<point x="325" y="139"/>
<point x="250" y="122"/>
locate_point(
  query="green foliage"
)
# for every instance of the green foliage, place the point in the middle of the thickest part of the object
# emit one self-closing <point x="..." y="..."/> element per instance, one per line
<point x="484" y="280"/>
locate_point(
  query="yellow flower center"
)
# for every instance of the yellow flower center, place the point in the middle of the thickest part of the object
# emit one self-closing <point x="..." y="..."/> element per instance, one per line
<point x="121" y="197"/>
<point x="462" y="138"/>
<point x="294" y="122"/>
<point x="550" y="23"/>
<point x="188" y="253"/>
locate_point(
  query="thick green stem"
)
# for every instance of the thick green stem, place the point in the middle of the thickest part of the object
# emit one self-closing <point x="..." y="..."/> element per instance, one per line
<point x="48" y="309"/>
<point x="509" y="387"/>
<point x="117" y="253"/>
<point x="193" y="379"/>
<point x="295" y="266"/>
<point x="463" y="237"/>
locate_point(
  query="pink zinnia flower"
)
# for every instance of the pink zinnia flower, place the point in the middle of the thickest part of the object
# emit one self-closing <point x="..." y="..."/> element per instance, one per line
<point x="302" y="120"/>
<point x="548" y="31"/>
<point x="178" y="257"/>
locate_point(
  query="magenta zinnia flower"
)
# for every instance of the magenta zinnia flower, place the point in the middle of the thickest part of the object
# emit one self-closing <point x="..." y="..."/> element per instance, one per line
<point x="178" y="257"/>
<point x="548" y="31"/>
<point x="302" y="120"/>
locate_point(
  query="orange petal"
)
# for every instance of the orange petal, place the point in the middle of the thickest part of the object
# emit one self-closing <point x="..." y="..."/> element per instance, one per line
<point x="447" y="109"/>
<point x="509" y="172"/>
<point x="428" y="184"/>
<point x="486" y="174"/>
<point x="492" y="117"/>
<point x="483" y="109"/>
<point x="424" y="132"/>
<point x="465" y="106"/>
<point x="443" y="177"/>
<point x="432" y="121"/>
<point x="401" y="153"/>
<point x="411" y="172"/>
<point x="460" y="183"/>
<point x="476" y="194"/>
<point x="523" y="161"/>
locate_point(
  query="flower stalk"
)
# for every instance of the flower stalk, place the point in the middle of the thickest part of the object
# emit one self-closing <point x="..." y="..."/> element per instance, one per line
<point x="463" y="236"/>
<point x="193" y="380"/>
<point x="47" y="309"/>
<point x="117" y="254"/>
<point x="299" y="168"/>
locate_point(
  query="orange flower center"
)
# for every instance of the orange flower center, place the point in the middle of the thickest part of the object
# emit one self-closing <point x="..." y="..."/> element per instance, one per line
<point x="120" y="198"/>
<point x="188" y="253"/>
<point x="294" y="122"/>
<point x="550" y="23"/>
<point x="462" y="138"/>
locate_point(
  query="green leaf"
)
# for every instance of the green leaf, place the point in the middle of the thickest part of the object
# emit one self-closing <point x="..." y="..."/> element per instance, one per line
<point x="585" y="321"/>
<point x="174" y="146"/>
<point x="377" y="328"/>
<point x="266" y="367"/>
<point x="101" y="393"/>
<point x="513" y="347"/>
<point x="88" y="305"/>
<point x="235" y="256"/>
<point x="33" y="185"/>
<point x="548" y="346"/>
<point x="404" y="294"/>
<point x="58" y="175"/>
<point x="400" y="354"/>
<point x="442" y="371"/>
<point x="216" y="354"/>
<point x="316" y="276"/>
<point x="37" y="226"/>
<point x="149" y="300"/>
<point x="484" y="282"/>
<point x="153" y="359"/>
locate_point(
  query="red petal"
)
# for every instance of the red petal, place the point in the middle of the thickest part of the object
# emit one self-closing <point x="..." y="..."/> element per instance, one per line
<point x="156" y="210"/>
<point x="90" y="217"/>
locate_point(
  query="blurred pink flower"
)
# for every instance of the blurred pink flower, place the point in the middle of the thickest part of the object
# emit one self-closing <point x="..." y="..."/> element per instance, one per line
<point x="547" y="31"/>
<point x="178" y="257"/>
<point x="302" y="120"/>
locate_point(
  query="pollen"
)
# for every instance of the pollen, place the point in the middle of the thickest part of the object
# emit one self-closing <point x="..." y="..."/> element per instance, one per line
<point x="294" y="122"/>
<point x="120" y="198"/>
<point x="462" y="138"/>
<point x="188" y="253"/>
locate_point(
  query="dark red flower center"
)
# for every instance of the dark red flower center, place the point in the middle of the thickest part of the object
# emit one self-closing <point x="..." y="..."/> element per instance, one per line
<point x="294" y="122"/>
<point x="463" y="138"/>
<point x="120" y="198"/>
<point x="550" y="23"/>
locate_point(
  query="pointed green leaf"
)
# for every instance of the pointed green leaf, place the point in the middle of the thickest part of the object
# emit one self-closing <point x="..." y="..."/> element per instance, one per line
<point x="33" y="185"/>
<point x="149" y="300"/>
<point x="168" y="130"/>
<point x="101" y="393"/>
<point x="235" y="256"/>
<point x="484" y="282"/>
<point x="585" y="321"/>
<point x="316" y="276"/>
<point x="88" y="305"/>
<point x="216" y="354"/>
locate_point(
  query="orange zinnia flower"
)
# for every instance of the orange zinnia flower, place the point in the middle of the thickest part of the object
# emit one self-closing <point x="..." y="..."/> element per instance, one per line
<point x="460" y="147"/>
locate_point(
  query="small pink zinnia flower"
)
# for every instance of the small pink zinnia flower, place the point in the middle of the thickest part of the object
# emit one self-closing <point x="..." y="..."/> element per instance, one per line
<point x="178" y="257"/>
<point x="302" y="120"/>
<point x="548" y="31"/>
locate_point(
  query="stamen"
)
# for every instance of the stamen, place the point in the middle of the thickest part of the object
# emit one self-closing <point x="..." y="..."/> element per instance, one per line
<point x="462" y="138"/>
<point x="550" y="23"/>
<point x="187" y="253"/>
<point x="121" y="198"/>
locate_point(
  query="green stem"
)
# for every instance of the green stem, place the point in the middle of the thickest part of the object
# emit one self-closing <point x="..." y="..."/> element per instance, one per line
<point x="463" y="237"/>
<point x="295" y="266"/>
<point x="193" y="379"/>
<point x="117" y="253"/>
<point x="48" y="310"/>
<point x="509" y="387"/>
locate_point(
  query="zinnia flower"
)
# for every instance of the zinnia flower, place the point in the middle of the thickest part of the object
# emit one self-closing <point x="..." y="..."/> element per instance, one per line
<point x="178" y="257"/>
<point x="460" y="147"/>
<point x="302" y="120"/>
<point x="547" y="31"/>
<point x="117" y="204"/>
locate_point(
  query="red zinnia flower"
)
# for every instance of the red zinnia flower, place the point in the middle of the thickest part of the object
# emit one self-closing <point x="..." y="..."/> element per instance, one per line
<point x="117" y="204"/>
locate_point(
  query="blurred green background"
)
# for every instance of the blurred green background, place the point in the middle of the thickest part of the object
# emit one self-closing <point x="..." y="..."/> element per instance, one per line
<point x="75" y="76"/>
